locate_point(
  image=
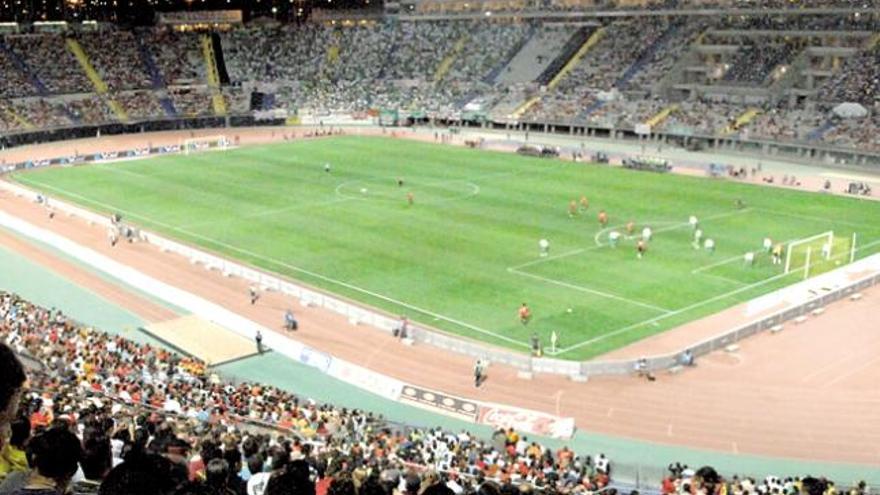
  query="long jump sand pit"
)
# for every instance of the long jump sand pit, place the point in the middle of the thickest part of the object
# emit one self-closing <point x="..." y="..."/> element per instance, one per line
<point x="202" y="339"/>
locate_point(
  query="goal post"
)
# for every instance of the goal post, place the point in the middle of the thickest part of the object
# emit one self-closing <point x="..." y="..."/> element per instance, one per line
<point x="820" y="253"/>
<point x="204" y="143"/>
<point x="796" y="252"/>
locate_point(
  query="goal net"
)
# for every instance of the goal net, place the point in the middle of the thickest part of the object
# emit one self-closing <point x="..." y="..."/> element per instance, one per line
<point x="819" y="253"/>
<point x="204" y="143"/>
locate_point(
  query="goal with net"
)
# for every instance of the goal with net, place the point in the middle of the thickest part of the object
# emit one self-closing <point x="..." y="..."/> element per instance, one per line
<point x="819" y="253"/>
<point x="205" y="143"/>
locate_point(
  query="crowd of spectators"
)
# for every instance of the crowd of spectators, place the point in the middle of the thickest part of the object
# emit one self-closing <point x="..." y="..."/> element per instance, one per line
<point x="114" y="54"/>
<point x="684" y="480"/>
<point x="857" y="81"/>
<point x="754" y="62"/>
<point x="435" y="68"/>
<point x="129" y="403"/>
<point x="48" y="59"/>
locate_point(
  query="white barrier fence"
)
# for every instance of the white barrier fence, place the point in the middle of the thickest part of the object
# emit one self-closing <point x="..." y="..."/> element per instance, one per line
<point x="529" y="421"/>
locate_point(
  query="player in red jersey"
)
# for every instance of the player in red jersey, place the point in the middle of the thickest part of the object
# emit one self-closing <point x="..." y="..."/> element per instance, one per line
<point x="525" y="314"/>
<point x="585" y="203"/>
<point x="630" y="227"/>
<point x="572" y="208"/>
<point x="641" y="248"/>
<point x="603" y="218"/>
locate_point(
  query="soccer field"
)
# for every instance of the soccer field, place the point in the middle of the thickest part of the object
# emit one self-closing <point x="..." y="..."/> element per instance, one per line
<point x="465" y="255"/>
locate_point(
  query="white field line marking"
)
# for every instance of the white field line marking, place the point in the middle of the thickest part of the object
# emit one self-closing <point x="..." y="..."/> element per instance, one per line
<point x="599" y="244"/>
<point x="687" y="308"/>
<point x="516" y="269"/>
<point x="675" y="226"/>
<point x="292" y="267"/>
<point x="627" y="328"/>
<point x="591" y="291"/>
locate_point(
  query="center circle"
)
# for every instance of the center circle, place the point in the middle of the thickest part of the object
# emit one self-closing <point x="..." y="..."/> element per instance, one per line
<point x="423" y="191"/>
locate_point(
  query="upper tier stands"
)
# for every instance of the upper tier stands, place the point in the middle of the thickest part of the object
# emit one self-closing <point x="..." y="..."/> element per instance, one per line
<point x="756" y="76"/>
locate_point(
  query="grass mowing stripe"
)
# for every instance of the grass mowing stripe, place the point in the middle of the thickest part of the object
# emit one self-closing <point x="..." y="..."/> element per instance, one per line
<point x="294" y="268"/>
<point x="451" y="258"/>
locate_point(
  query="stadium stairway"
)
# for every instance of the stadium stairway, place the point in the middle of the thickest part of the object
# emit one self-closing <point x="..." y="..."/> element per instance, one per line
<point x="742" y="121"/>
<point x="817" y="133"/>
<point x="661" y="116"/>
<point x="100" y="86"/>
<point x="23" y="68"/>
<point x="35" y="81"/>
<point x="520" y="110"/>
<point x="577" y="47"/>
<point x="217" y="100"/>
<point x="12" y="114"/>
<point x="647" y="55"/>
<point x="574" y="50"/>
<point x="449" y="59"/>
<point x="492" y="76"/>
<point x="156" y="80"/>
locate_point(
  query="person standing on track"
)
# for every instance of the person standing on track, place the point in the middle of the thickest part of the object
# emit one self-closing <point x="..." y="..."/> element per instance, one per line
<point x="113" y="235"/>
<point x="290" y="322"/>
<point x="258" y="338"/>
<point x="254" y="295"/>
<point x="479" y="372"/>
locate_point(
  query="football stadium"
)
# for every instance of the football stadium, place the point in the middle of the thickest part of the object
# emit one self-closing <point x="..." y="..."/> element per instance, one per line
<point x="439" y="246"/>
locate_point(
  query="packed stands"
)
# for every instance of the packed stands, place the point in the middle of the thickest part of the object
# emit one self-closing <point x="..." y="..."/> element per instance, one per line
<point x="144" y="399"/>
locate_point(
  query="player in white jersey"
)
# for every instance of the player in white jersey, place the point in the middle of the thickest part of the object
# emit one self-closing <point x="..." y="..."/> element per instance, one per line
<point x="544" y="247"/>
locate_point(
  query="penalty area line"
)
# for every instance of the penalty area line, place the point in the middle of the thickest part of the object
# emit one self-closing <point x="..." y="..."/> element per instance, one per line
<point x="688" y="308"/>
<point x="283" y="264"/>
<point x="590" y="291"/>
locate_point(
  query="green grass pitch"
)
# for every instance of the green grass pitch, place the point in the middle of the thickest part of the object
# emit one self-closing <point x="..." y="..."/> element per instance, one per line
<point x="465" y="255"/>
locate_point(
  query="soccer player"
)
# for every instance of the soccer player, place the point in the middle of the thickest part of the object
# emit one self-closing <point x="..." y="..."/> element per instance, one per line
<point x="709" y="245"/>
<point x="826" y="250"/>
<point x="693" y="222"/>
<point x="749" y="258"/>
<point x="768" y="244"/>
<point x="410" y="199"/>
<point x="525" y="314"/>
<point x="646" y="234"/>
<point x="327" y="168"/>
<point x="544" y="247"/>
<point x="777" y="254"/>
<point x="630" y="227"/>
<point x="613" y="238"/>
<point x="698" y="237"/>
<point x="572" y="209"/>
<point x="585" y="203"/>
<point x="603" y="218"/>
<point x="399" y="182"/>
<point x="641" y="248"/>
